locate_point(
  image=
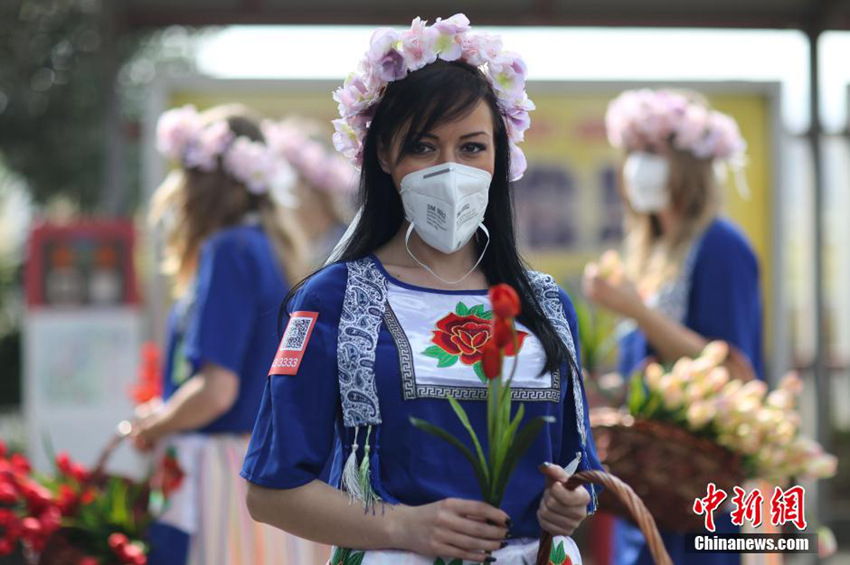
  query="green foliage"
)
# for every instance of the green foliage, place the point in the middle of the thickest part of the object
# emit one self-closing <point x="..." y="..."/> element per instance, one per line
<point x="55" y="83"/>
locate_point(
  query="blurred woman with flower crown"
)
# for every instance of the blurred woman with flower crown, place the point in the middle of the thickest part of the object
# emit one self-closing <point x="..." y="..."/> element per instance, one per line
<point x="688" y="276"/>
<point x="326" y="185"/>
<point x="399" y="321"/>
<point x="233" y="254"/>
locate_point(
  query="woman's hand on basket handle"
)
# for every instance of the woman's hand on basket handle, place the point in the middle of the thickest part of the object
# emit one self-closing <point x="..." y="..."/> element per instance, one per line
<point x="561" y="509"/>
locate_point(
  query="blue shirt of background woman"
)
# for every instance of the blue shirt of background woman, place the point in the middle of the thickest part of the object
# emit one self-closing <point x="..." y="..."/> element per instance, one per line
<point x="229" y="319"/>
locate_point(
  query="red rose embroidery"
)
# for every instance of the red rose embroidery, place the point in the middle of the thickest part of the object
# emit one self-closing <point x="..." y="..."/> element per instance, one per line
<point x="462" y="335"/>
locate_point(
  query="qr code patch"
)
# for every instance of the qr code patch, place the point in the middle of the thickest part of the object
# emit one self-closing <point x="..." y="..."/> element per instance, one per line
<point x="296" y="334"/>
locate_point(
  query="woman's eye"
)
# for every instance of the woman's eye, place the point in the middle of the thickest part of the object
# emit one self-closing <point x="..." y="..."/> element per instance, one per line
<point x="474" y="148"/>
<point x="420" y="148"/>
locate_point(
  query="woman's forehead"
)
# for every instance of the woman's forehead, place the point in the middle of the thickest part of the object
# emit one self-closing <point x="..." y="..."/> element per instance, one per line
<point x="479" y="119"/>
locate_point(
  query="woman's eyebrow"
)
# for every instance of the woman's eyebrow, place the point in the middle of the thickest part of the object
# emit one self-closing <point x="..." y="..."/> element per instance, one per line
<point x="473" y="134"/>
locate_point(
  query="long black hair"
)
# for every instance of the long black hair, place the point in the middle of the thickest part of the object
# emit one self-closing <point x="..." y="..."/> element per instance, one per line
<point x="433" y="95"/>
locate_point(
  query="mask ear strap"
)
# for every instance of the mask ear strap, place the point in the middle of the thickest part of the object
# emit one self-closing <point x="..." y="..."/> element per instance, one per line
<point x="427" y="268"/>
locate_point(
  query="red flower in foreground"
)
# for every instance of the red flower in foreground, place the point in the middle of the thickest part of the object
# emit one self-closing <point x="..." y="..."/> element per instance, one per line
<point x="491" y="360"/>
<point x="20" y="464"/>
<point x="505" y="301"/>
<point x="63" y="463"/>
<point x="8" y="493"/>
<point x="503" y="333"/>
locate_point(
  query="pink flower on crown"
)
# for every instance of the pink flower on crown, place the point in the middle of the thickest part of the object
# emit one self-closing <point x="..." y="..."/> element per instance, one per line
<point x="508" y="71"/>
<point x="175" y="130"/>
<point x="517" y="118"/>
<point x="480" y="48"/>
<point x="418" y="45"/>
<point x="211" y="142"/>
<point x="727" y="140"/>
<point x="448" y="45"/>
<point x="518" y="162"/>
<point x="692" y="129"/>
<point x="323" y="170"/>
<point x="454" y="25"/>
<point x="252" y="164"/>
<point x="392" y="55"/>
<point x="385" y="60"/>
<point x="347" y="140"/>
<point x="647" y="119"/>
<point x="354" y="96"/>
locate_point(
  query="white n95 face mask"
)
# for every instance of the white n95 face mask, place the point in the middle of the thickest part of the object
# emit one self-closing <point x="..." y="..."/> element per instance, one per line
<point x="446" y="204"/>
<point x="646" y="177"/>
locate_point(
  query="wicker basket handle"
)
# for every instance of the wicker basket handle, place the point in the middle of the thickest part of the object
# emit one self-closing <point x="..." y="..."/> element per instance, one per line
<point x="631" y="500"/>
<point x="122" y="432"/>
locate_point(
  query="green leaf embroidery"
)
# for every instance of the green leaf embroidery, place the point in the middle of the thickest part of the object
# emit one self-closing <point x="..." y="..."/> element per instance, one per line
<point x="477" y="310"/>
<point x="488" y="315"/>
<point x="479" y="370"/>
<point x="461" y="309"/>
<point x="355" y="558"/>
<point x="447" y="361"/>
<point x="456" y="562"/>
<point x="434" y="351"/>
<point x="444" y="359"/>
<point x="558" y="555"/>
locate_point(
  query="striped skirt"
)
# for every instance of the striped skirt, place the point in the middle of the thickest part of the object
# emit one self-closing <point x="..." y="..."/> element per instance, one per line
<point x="205" y="521"/>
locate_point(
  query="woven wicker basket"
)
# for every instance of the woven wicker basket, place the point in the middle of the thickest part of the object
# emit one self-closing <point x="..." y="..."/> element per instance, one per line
<point x="666" y="466"/>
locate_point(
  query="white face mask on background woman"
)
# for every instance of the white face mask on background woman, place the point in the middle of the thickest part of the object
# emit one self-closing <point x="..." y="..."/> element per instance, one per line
<point x="646" y="177"/>
<point x="445" y="204"/>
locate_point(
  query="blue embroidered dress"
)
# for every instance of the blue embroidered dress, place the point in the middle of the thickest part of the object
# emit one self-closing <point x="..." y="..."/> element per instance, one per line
<point x="716" y="295"/>
<point x="428" y="347"/>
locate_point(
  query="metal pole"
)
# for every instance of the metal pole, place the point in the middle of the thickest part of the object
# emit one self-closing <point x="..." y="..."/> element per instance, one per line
<point x="821" y="370"/>
<point x="114" y="190"/>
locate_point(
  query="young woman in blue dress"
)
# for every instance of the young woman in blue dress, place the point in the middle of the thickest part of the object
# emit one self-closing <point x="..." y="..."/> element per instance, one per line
<point x="692" y="276"/>
<point x="396" y="324"/>
<point x="232" y="256"/>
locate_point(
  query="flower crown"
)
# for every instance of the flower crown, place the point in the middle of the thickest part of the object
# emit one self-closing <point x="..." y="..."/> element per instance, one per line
<point x="392" y="55"/>
<point x="646" y="119"/>
<point x="321" y="168"/>
<point x="184" y="137"/>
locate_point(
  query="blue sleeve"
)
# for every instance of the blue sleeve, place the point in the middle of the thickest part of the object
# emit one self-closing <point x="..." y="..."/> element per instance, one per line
<point x="725" y="299"/>
<point x="571" y="437"/>
<point x="225" y="306"/>
<point x="293" y="437"/>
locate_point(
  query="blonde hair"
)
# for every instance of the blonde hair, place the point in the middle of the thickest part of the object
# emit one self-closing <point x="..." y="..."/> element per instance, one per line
<point x="201" y="203"/>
